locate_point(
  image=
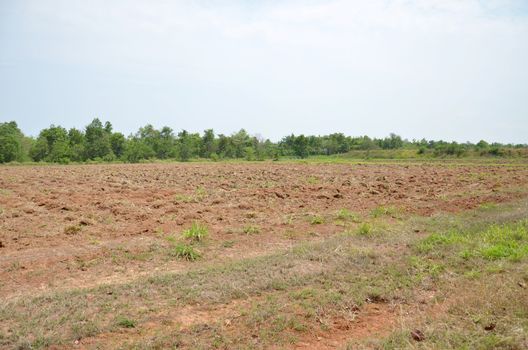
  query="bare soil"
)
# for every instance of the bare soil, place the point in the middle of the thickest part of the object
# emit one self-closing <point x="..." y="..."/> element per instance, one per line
<point x="76" y="226"/>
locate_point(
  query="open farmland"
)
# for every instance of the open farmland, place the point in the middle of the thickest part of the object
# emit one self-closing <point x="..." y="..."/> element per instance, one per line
<point x="260" y="255"/>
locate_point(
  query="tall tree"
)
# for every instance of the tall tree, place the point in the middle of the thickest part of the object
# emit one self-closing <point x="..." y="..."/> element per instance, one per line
<point x="52" y="145"/>
<point x="11" y="142"/>
<point x="184" y="146"/>
<point x="300" y="146"/>
<point x="98" y="140"/>
<point x="118" y="144"/>
<point x="208" y="145"/>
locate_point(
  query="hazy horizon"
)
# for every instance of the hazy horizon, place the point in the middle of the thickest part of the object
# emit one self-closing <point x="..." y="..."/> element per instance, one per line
<point x="438" y="69"/>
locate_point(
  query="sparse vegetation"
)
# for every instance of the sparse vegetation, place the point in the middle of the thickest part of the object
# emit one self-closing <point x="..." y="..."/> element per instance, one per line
<point x="317" y="220"/>
<point x="186" y="252"/>
<point x="124" y="322"/>
<point x="72" y="230"/>
<point x="196" y="233"/>
<point x="251" y="229"/>
<point x="364" y="229"/>
<point x="347" y="215"/>
<point x="384" y="211"/>
<point x="442" y="273"/>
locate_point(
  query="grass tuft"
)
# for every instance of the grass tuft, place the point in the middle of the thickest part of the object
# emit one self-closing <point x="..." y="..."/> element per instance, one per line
<point x="196" y="233"/>
<point x="186" y="252"/>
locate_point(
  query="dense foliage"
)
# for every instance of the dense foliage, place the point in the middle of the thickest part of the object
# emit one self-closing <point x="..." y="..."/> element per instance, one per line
<point x="99" y="142"/>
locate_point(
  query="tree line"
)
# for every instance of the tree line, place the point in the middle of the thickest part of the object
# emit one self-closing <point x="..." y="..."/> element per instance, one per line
<point x="99" y="142"/>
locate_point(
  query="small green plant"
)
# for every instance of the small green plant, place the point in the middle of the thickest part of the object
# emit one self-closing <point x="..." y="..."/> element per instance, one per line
<point x="186" y="252"/>
<point x="316" y="220"/>
<point x="251" y="229"/>
<point x="196" y="233"/>
<point x="487" y="206"/>
<point x="312" y="180"/>
<point x="228" y="244"/>
<point x="383" y="211"/>
<point x="347" y="215"/>
<point x="200" y="193"/>
<point x="365" y="229"/>
<point x="124" y="322"/>
<point x="183" y="198"/>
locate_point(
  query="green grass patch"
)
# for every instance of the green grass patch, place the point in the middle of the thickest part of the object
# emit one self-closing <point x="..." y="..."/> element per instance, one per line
<point x="125" y="322"/>
<point x="251" y="229"/>
<point x="186" y="252"/>
<point x="498" y="241"/>
<point x="384" y="211"/>
<point x="317" y="220"/>
<point x="347" y="215"/>
<point x="365" y="229"/>
<point x="196" y="233"/>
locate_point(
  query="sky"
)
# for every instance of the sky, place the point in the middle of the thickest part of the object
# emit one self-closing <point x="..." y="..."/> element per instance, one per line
<point x="439" y="69"/>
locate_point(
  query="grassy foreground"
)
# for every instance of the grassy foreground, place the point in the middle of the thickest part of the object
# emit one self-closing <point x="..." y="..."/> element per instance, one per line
<point x="446" y="282"/>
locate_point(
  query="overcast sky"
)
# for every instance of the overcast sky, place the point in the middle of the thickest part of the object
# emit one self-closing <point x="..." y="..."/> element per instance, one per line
<point x="440" y="69"/>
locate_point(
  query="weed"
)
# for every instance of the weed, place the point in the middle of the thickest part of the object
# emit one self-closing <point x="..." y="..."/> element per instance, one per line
<point x="251" y="229"/>
<point x="316" y="220"/>
<point x="124" y="322"/>
<point x="365" y="229"/>
<point x="186" y="252"/>
<point x="72" y="230"/>
<point x="183" y="198"/>
<point x="347" y="215"/>
<point x="200" y="193"/>
<point x="312" y="180"/>
<point x="487" y="206"/>
<point x="196" y="233"/>
<point x="228" y="244"/>
<point x="384" y="211"/>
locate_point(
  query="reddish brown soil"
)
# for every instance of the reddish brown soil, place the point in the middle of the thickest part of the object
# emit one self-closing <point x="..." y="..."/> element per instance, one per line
<point x="124" y="211"/>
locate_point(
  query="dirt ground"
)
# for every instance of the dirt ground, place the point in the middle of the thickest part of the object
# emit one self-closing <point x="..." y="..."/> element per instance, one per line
<point x="65" y="226"/>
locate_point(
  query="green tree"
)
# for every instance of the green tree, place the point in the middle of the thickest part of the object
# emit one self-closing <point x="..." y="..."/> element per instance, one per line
<point x="184" y="146"/>
<point x="52" y="145"/>
<point x="137" y="150"/>
<point x="240" y="141"/>
<point x="165" y="145"/>
<point x="98" y="140"/>
<point x="118" y="144"/>
<point x="207" y="144"/>
<point x="77" y="144"/>
<point x="11" y="142"/>
<point x="300" y="146"/>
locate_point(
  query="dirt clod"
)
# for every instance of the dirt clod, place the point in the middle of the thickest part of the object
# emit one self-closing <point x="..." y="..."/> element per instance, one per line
<point x="490" y="327"/>
<point x="417" y="335"/>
